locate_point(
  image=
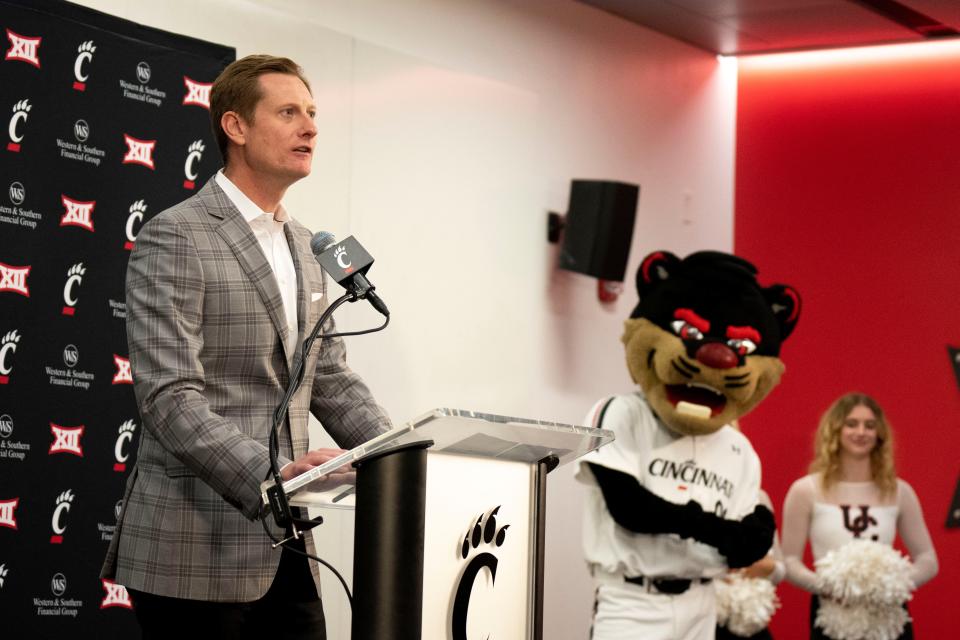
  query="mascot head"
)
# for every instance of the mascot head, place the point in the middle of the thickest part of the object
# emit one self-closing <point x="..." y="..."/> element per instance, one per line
<point x="704" y="341"/>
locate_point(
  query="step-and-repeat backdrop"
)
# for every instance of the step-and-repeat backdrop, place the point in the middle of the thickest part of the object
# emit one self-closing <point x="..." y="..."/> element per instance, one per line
<point x="103" y="124"/>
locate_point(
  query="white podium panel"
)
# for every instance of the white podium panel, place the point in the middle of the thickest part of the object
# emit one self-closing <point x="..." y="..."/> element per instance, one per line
<point x="479" y="520"/>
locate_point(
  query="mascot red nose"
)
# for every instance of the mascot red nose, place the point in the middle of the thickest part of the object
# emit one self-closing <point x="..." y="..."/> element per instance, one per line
<point x="672" y="503"/>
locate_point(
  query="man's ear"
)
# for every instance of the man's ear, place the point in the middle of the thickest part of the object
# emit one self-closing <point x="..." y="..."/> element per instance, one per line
<point x="234" y="126"/>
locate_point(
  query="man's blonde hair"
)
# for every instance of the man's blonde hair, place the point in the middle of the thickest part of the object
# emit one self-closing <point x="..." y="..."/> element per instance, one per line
<point x="237" y="89"/>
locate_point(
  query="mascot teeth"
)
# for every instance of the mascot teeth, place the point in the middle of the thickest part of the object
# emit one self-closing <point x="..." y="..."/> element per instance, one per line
<point x="693" y="410"/>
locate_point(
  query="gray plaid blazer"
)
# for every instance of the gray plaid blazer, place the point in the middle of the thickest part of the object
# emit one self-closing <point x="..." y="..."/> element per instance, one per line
<point x="204" y="325"/>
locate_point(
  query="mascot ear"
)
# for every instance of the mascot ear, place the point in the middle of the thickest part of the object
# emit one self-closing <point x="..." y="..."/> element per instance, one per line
<point x="784" y="301"/>
<point x="654" y="269"/>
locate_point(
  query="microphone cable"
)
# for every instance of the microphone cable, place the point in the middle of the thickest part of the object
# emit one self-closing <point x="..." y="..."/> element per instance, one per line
<point x="282" y="544"/>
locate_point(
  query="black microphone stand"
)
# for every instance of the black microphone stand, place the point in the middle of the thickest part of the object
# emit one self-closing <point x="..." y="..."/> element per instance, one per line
<point x="279" y="504"/>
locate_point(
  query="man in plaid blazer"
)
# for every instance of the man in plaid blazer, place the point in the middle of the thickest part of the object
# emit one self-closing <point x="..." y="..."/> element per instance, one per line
<point x="221" y="290"/>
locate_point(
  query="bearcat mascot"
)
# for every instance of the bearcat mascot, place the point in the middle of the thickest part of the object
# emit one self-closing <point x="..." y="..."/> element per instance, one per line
<point x="672" y="502"/>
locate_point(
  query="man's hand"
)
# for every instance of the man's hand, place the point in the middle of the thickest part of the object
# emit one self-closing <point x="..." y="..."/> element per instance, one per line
<point x="312" y="459"/>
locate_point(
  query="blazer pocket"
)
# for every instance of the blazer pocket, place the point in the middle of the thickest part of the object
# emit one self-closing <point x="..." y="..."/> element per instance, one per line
<point x="318" y="302"/>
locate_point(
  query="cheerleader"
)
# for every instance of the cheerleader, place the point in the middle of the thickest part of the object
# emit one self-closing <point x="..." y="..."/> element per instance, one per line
<point x="852" y="493"/>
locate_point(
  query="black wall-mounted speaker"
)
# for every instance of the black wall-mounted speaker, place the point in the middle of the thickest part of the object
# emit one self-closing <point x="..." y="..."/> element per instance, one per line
<point x="599" y="228"/>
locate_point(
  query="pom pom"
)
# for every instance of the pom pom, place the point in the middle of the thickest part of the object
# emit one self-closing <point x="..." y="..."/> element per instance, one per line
<point x="861" y="621"/>
<point x="865" y="584"/>
<point x="745" y="605"/>
<point x="864" y="571"/>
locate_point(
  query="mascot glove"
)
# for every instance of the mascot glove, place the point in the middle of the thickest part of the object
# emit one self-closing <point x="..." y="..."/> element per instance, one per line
<point x="748" y="540"/>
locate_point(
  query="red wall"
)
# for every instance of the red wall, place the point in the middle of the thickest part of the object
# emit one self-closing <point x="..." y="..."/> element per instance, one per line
<point x="848" y="188"/>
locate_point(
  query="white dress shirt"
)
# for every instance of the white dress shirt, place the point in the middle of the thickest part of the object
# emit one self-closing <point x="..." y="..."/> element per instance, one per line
<point x="268" y="229"/>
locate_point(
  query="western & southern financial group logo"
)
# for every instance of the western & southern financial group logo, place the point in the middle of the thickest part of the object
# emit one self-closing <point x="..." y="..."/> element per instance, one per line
<point x="11" y="449"/>
<point x="58" y="606"/>
<point x="71" y="376"/>
<point x="80" y="151"/>
<point x="16" y="214"/>
<point x="140" y="91"/>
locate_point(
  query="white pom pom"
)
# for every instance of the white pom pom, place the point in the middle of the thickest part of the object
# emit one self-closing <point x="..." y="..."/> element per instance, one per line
<point x="861" y="621"/>
<point x="864" y="571"/>
<point x="745" y="605"/>
<point x="867" y="583"/>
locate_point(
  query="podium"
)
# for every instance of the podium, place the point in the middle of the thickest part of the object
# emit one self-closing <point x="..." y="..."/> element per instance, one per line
<point x="449" y="523"/>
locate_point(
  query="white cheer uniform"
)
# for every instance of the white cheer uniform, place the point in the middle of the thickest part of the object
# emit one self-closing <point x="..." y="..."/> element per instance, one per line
<point x="720" y="471"/>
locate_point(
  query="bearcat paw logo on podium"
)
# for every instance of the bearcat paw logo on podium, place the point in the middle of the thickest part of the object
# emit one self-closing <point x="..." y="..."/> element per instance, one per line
<point x="483" y="532"/>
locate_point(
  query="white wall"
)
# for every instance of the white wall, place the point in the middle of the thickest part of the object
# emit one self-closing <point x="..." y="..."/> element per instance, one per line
<point x="448" y="130"/>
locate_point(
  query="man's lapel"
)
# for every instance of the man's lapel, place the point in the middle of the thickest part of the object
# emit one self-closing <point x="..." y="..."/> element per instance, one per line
<point x="236" y="233"/>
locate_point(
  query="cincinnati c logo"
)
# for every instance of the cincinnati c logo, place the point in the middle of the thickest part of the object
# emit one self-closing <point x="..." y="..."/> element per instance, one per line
<point x="74" y="277"/>
<point x="483" y="532"/>
<point x="21" y="111"/>
<point x="343" y="260"/>
<point x="124" y="437"/>
<point x="194" y="154"/>
<point x="84" y="55"/>
<point x="64" y="500"/>
<point x="8" y="346"/>
<point x="137" y="209"/>
<point x="23" y="48"/>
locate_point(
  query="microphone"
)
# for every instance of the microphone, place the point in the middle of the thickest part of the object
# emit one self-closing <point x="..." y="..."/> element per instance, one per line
<point x="347" y="262"/>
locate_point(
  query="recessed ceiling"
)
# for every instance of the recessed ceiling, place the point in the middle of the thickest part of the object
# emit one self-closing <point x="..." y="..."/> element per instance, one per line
<point x="736" y="27"/>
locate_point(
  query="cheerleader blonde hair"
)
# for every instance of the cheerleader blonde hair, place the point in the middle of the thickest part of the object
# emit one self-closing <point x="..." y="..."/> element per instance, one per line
<point x="826" y="460"/>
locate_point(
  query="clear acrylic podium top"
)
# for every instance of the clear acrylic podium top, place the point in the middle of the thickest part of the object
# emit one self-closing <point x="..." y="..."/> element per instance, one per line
<point x="453" y="431"/>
